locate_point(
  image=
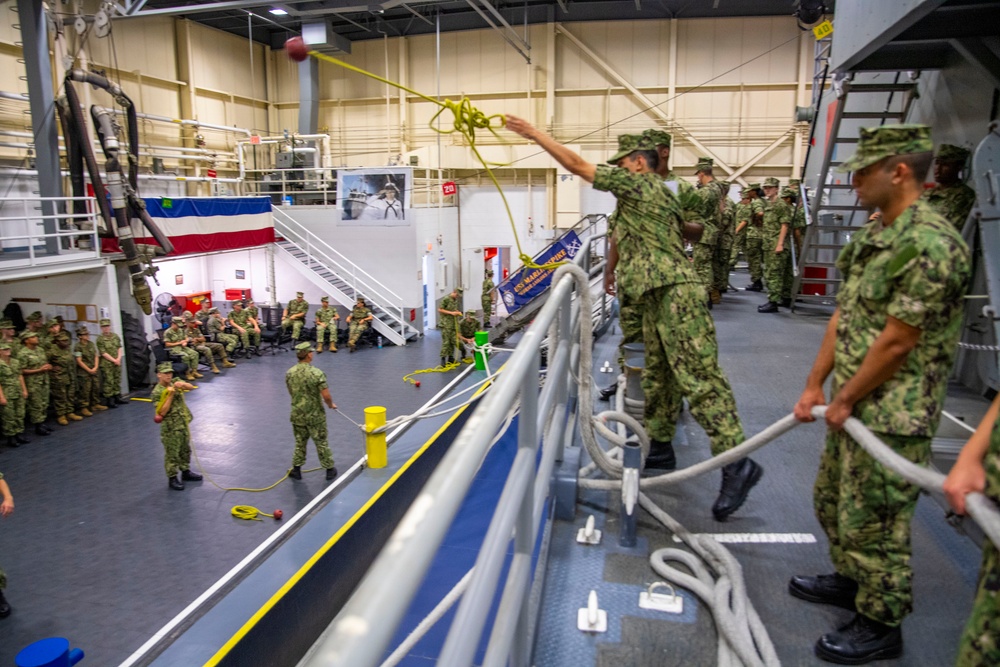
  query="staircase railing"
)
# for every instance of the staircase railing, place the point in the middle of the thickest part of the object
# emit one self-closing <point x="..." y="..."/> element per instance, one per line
<point x="363" y="285"/>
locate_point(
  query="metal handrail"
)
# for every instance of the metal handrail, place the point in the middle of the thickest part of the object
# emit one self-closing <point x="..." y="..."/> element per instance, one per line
<point x="314" y="247"/>
<point x="34" y="216"/>
<point x="361" y="632"/>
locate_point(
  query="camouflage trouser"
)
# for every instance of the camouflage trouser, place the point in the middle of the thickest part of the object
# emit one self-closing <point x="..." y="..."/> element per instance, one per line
<point x="487" y="311"/>
<point x="317" y="431"/>
<point x="176" y="439"/>
<point x="630" y="320"/>
<point x="704" y="257"/>
<point x="354" y="331"/>
<point x="87" y="390"/>
<point x="296" y="326"/>
<point x="62" y="390"/>
<point x="229" y="340"/>
<point x="12" y="415"/>
<point x="111" y="378"/>
<point x="720" y="265"/>
<point x="865" y="511"/>
<point x="37" y="405"/>
<point x="205" y="352"/>
<point x="682" y="360"/>
<point x="755" y="257"/>
<point x="739" y="246"/>
<point x="980" y="643"/>
<point x="777" y="270"/>
<point x="185" y="355"/>
<point x="449" y="341"/>
<point x="328" y="331"/>
<point x="249" y="337"/>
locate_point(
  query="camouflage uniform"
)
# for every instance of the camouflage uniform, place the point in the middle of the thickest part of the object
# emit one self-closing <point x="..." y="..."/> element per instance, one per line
<point x="449" y="325"/>
<point x="357" y="326"/>
<point x="295" y="306"/>
<point x="37" y="405"/>
<point x="915" y="270"/>
<point x="724" y="245"/>
<point x="980" y="643"/>
<point x="741" y="212"/>
<point x="175" y="432"/>
<point x="8" y="336"/>
<point x="326" y="325"/>
<point x="755" y="238"/>
<point x="467" y="328"/>
<point x="242" y="318"/>
<point x="254" y="312"/>
<point x="12" y="414"/>
<point x="217" y="329"/>
<point x="777" y="265"/>
<point x="305" y="384"/>
<point x="678" y="332"/>
<point x="111" y="374"/>
<point x="62" y="379"/>
<point x="207" y="349"/>
<point x="3" y="575"/>
<point x="954" y="202"/>
<point x="87" y="385"/>
<point x="704" y="249"/>
<point x="183" y="353"/>
<point x="487" y="301"/>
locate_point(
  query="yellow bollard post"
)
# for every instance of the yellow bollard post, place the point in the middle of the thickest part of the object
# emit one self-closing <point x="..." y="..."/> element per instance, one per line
<point x="375" y="446"/>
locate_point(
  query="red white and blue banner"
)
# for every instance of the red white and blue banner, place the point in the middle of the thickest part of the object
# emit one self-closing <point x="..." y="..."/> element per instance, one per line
<point x="525" y="284"/>
<point x="196" y="225"/>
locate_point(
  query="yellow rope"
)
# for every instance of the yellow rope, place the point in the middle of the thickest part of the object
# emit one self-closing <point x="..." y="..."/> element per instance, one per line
<point x="248" y="512"/>
<point x="467" y="119"/>
<point x="437" y="369"/>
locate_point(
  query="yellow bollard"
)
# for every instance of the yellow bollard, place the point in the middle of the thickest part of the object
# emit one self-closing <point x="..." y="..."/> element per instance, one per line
<point x="375" y="446"/>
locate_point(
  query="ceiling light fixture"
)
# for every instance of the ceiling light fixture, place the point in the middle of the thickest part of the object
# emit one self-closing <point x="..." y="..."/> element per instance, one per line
<point x="277" y="11"/>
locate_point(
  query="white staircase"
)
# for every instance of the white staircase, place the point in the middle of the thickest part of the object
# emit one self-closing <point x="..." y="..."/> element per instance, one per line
<point x="341" y="278"/>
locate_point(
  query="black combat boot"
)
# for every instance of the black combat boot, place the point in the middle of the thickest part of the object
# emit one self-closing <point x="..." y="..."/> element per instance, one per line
<point x="443" y="360"/>
<point x="190" y="476"/>
<point x="295" y="472"/>
<point x="331" y="473"/>
<point x="4" y="606"/>
<point x="176" y="484"/>
<point x="661" y="456"/>
<point x="737" y="480"/>
<point x="769" y="307"/>
<point x="119" y="400"/>
<point x="835" y="589"/>
<point x="21" y="439"/>
<point x="860" y="641"/>
<point x="11" y="442"/>
<point x="755" y="286"/>
<point x="111" y="402"/>
<point x="41" y="430"/>
<point x="451" y="360"/>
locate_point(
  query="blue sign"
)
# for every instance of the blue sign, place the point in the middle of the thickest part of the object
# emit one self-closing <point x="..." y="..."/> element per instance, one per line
<point x="525" y="284"/>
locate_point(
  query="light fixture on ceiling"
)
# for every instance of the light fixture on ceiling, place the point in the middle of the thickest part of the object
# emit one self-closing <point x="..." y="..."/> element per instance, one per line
<point x="278" y="11"/>
<point x="810" y="11"/>
<point x="376" y="9"/>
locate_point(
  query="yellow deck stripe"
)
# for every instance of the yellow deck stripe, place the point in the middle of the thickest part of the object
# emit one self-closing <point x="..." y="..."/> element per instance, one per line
<point x="280" y="593"/>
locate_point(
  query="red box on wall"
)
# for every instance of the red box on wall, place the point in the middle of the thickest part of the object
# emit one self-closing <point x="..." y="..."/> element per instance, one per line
<point x="237" y="294"/>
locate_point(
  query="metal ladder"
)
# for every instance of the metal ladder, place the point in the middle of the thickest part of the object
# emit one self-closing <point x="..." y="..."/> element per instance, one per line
<point x="835" y="212"/>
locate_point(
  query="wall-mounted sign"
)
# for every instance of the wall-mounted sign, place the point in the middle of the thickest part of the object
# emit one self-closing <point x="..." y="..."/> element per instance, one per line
<point x="449" y="188"/>
<point x="824" y="29"/>
<point x="255" y="139"/>
<point x="211" y="173"/>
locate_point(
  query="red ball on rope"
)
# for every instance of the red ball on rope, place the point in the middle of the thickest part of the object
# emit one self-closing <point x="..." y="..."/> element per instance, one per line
<point x="296" y="49"/>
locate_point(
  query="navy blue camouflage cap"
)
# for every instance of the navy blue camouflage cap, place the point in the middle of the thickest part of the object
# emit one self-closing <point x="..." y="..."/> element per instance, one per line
<point x="878" y="143"/>
<point x="657" y="137"/>
<point x="951" y="153"/>
<point x="628" y="144"/>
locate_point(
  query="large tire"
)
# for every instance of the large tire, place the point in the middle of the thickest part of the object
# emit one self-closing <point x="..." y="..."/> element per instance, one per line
<point x="137" y="352"/>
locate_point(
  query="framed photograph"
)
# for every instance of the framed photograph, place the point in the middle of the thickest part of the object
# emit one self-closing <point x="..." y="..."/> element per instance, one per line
<point x="179" y="279"/>
<point x="241" y="274"/>
<point x="374" y="197"/>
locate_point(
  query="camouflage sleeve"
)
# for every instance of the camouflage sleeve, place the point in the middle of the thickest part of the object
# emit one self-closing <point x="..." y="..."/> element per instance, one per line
<point x="927" y="281"/>
<point x="617" y="181"/>
<point x="320" y="379"/>
<point x="784" y="214"/>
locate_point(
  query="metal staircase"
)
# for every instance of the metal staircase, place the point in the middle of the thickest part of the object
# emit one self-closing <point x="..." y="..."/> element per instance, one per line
<point x="834" y="213"/>
<point x="341" y="278"/>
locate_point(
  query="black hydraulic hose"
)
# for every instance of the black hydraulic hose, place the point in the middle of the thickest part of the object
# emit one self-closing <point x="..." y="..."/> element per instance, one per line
<point x="74" y="160"/>
<point x="131" y="119"/>
<point x="87" y="151"/>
